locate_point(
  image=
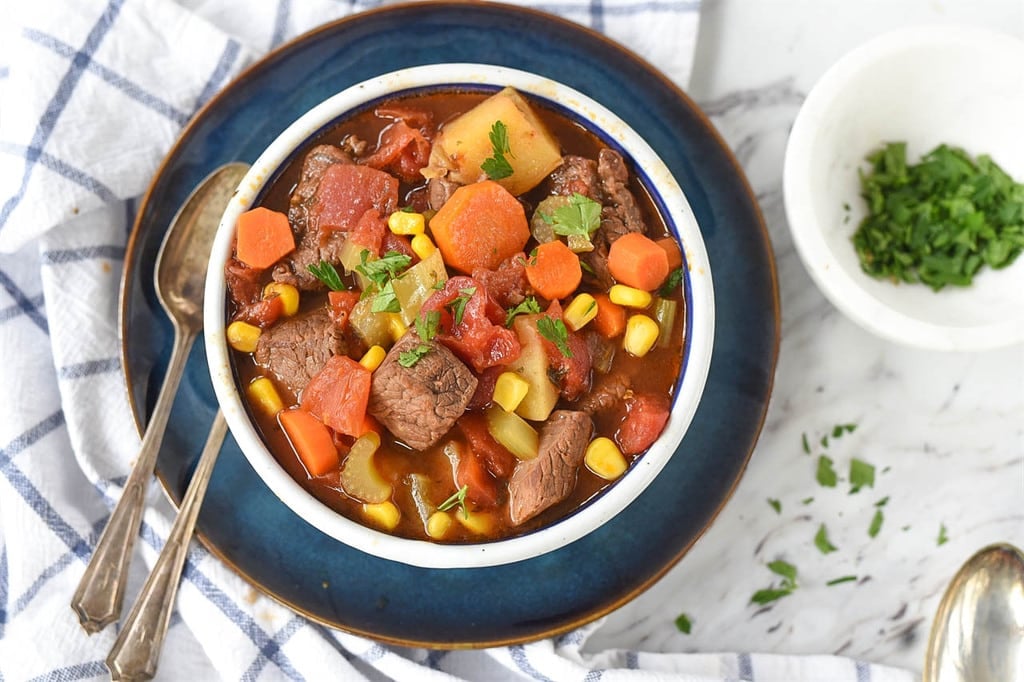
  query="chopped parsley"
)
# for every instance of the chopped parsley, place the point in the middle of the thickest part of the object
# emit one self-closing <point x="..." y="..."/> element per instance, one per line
<point x="672" y="283"/>
<point x="408" y="358"/>
<point x="458" y="499"/>
<point x="788" y="573"/>
<point x="876" y="522"/>
<point x="683" y="623"/>
<point x="497" y="166"/>
<point x="807" y="445"/>
<point x="458" y="304"/>
<point x="529" y="305"/>
<point x="861" y="474"/>
<point x="839" y="581"/>
<point x="380" y="272"/>
<point x="939" y="221"/>
<point x="775" y="504"/>
<point x="326" y="273"/>
<point x="943" y="538"/>
<point x="427" y="325"/>
<point x="806" y="501"/>
<point x="386" y="301"/>
<point x="581" y="216"/>
<point x="554" y="331"/>
<point x="840" y="429"/>
<point x="821" y="541"/>
<point x="826" y="475"/>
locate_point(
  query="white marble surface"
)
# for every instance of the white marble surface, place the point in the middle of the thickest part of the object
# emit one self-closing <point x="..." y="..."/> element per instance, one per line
<point x="945" y="431"/>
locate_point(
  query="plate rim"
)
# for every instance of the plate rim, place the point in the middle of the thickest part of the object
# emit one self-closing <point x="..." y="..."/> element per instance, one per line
<point x="180" y="145"/>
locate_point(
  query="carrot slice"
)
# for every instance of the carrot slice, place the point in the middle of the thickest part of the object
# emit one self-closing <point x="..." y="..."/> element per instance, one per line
<point x="637" y="261"/>
<point x="311" y="441"/>
<point x="611" y="317"/>
<point x="479" y="226"/>
<point x="671" y="247"/>
<point x="263" y="237"/>
<point x="555" y="271"/>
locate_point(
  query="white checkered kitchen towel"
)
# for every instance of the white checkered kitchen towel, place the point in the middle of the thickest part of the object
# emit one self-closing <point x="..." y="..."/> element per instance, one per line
<point x="92" y="94"/>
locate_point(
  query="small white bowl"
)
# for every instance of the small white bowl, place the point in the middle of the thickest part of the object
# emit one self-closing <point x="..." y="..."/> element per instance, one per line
<point x="697" y="354"/>
<point x="926" y="86"/>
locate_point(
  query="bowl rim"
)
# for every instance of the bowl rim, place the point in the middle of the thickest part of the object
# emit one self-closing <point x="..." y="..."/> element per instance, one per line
<point x="698" y="346"/>
<point x="838" y="286"/>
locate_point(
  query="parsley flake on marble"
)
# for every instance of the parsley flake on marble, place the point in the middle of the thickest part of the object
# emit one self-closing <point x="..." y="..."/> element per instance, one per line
<point x="784" y="588"/>
<point x="876" y="523"/>
<point x="839" y="581"/>
<point x="861" y="474"/>
<point x="821" y="541"/>
<point x="943" y="538"/>
<point x="684" y="624"/>
<point x="826" y="474"/>
<point x="775" y="504"/>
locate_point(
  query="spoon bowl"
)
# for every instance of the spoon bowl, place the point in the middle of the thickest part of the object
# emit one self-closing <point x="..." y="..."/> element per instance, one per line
<point x="978" y="632"/>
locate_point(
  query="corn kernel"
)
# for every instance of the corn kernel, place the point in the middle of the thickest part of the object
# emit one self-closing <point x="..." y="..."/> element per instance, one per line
<point x="288" y="294"/>
<point x="243" y="336"/>
<point x="629" y="297"/>
<point x="263" y="395"/>
<point x="438" y="524"/>
<point x="480" y="523"/>
<point x="604" y="458"/>
<point x="509" y="390"/>
<point x="581" y="311"/>
<point x="405" y="222"/>
<point x="384" y="514"/>
<point x="396" y="326"/>
<point x="641" y="335"/>
<point x="372" y="358"/>
<point x="422" y="246"/>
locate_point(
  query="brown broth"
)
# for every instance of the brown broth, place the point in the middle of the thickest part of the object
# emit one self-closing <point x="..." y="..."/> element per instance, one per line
<point x="655" y="373"/>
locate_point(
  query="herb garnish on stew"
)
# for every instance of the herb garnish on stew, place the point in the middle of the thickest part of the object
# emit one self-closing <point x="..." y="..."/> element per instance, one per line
<point x="555" y="332"/>
<point x="326" y="273"/>
<point x="497" y="166"/>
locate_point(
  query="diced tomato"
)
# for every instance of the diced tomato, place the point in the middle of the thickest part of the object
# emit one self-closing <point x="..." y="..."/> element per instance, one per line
<point x="478" y="339"/>
<point x="401" y="149"/>
<point x="482" y="489"/>
<point x="495" y="456"/>
<point x="646" y="416"/>
<point x="347" y="191"/>
<point x="338" y="395"/>
<point x="417" y="118"/>
<point x="261" y="313"/>
<point x="369" y="231"/>
<point x="485" y="383"/>
<point x="399" y="243"/>
<point x="507" y="285"/>
<point x="571" y="372"/>
<point x="342" y="303"/>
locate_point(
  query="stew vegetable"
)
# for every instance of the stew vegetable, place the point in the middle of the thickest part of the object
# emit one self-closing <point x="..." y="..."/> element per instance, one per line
<point x="456" y="317"/>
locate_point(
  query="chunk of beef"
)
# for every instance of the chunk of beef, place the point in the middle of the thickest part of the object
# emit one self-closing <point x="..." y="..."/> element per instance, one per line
<point x="609" y="392"/>
<point x="419" y="404"/>
<point x="596" y="271"/>
<point x="548" y="479"/>
<point x="297" y="347"/>
<point x="310" y="249"/>
<point x="576" y="175"/>
<point x="439" y="190"/>
<point x="620" y="213"/>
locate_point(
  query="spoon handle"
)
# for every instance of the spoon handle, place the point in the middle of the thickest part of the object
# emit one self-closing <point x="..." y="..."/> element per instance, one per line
<point x="136" y="651"/>
<point x="97" y="601"/>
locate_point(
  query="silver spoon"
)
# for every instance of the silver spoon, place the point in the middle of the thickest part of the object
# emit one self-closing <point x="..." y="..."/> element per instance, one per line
<point x="179" y="277"/>
<point x="978" y="632"/>
<point x="136" y="650"/>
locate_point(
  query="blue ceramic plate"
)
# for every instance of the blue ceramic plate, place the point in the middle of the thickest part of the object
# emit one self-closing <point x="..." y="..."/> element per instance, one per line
<point x="245" y="525"/>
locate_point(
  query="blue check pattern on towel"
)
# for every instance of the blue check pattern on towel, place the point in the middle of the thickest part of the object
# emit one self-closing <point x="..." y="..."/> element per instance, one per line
<point x="93" y="94"/>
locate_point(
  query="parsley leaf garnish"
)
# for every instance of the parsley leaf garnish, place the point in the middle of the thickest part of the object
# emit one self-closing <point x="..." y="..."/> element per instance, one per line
<point x="582" y="216"/>
<point x="671" y="284"/>
<point x="457" y="499"/>
<point x="943" y="538"/>
<point x="775" y="504"/>
<point x="326" y="273"/>
<point x="861" y="474"/>
<point x="821" y="541"/>
<point x="555" y="332"/>
<point x="410" y="357"/>
<point x="844" y="579"/>
<point x="497" y="166"/>
<point x="427" y="324"/>
<point x="380" y="270"/>
<point x="788" y="573"/>
<point x="529" y="305"/>
<point x="386" y="300"/>
<point x="683" y="623"/>
<point x="826" y="474"/>
<point x="458" y="304"/>
<point x="807" y="446"/>
<point x="876" y="522"/>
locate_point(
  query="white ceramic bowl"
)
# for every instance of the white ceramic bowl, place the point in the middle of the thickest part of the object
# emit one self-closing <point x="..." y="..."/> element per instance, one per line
<point x="700" y="327"/>
<point x="926" y="86"/>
